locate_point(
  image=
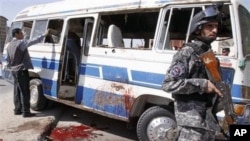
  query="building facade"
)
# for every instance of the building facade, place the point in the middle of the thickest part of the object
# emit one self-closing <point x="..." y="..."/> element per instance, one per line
<point x="3" y="32"/>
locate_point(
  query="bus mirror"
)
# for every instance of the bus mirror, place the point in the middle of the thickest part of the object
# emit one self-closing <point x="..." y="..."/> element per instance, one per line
<point x="242" y="63"/>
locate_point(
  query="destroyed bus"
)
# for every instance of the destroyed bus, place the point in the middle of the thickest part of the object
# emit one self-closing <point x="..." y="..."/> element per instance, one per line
<point x="110" y="57"/>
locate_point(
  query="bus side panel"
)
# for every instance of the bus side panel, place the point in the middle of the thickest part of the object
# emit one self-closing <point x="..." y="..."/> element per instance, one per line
<point x="113" y="89"/>
<point x="46" y="65"/>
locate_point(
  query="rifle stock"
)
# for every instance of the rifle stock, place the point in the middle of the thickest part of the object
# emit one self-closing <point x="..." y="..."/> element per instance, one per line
<point x="211" y="64"/>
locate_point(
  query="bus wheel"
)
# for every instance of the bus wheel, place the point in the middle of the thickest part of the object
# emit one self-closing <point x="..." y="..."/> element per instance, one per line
<point x="37" y="100"/>
<point x="157" y="124"/>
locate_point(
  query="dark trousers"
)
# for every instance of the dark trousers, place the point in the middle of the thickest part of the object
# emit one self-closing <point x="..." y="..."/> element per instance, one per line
<point x="21" y="91"/>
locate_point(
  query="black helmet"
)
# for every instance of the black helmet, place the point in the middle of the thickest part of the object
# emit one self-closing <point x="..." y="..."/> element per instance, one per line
<point x="211" y="13"/>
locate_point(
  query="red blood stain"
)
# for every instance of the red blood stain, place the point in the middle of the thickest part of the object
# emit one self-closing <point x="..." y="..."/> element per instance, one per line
<point x="128" y="100"/>
<point x="72" y="132"/>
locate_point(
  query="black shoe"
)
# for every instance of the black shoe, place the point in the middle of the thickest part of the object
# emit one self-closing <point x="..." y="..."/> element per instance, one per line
<point x="28" y="115"/>
<point x="17" y="112"/>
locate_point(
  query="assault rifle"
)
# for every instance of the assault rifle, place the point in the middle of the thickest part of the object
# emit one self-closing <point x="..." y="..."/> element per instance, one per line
<point x="214" y="74"/>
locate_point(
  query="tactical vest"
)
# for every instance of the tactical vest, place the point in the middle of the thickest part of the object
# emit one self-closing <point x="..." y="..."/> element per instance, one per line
<point x="197" y="71"/>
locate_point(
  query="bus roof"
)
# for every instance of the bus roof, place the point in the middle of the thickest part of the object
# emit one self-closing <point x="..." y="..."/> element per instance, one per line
<point x="69" y="7"/>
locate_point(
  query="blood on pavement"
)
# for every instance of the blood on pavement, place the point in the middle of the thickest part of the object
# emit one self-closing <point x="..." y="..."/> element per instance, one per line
<point x="72" y="132"/>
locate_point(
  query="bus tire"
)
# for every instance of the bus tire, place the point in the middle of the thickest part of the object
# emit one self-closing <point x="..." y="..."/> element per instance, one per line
<point x="37" y="100"/>
<point x="157" y="124"/>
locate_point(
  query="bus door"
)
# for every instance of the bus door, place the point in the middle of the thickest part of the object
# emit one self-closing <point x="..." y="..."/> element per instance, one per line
<point x="75" y="46"/>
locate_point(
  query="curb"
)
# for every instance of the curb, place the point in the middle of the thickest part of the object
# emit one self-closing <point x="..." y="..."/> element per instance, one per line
<point x="44" y="136"/>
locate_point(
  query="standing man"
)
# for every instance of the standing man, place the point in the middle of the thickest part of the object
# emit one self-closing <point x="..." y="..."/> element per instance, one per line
<point x="188" y="82"/>
<point x="19" y="62"/>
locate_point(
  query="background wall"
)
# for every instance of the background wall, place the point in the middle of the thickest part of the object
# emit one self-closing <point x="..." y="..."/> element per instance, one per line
<point x="3" y="31"/>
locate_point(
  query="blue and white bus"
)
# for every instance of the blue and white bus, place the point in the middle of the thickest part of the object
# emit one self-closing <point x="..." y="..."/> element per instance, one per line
<point x="110" y="57"/>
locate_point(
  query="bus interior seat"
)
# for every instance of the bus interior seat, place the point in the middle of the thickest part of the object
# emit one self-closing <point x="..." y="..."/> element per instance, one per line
<point x="114" y="36"/>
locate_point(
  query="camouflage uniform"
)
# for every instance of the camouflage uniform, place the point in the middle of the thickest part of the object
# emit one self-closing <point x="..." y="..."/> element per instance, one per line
<point x="186" y="79"/>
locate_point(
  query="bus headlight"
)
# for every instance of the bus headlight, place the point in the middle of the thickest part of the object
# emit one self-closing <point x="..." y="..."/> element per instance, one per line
<point x="239" y="109"/>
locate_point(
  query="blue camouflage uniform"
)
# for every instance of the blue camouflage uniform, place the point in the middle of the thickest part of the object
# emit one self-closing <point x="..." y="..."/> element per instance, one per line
<point x="186" y="79"/>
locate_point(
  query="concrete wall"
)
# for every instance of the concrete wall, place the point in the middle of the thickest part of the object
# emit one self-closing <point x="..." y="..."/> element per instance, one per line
<point x="3" y="32"/>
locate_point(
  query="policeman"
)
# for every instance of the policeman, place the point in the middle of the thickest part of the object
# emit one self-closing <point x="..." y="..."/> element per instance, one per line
<point x="188" y="82"/>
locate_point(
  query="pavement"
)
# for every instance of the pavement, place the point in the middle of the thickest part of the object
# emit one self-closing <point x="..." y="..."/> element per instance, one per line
<point x="15" y="127"/>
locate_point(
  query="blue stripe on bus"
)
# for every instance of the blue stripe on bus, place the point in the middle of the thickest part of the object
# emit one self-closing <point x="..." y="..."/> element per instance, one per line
<point x="148" y="79"/>
<point x="49" y="87"/>
<point x="41" y="63"/>
<point x="139" y="78"/>
<point x="90" y="70"/>
<point x="236" y="92"/>
<point x="101" y="100"/>
<point x="110" y="73"/>
<point x="45" y="63"/>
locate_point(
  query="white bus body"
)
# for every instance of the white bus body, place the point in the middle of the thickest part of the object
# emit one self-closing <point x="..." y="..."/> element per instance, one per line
<point x="123" y="49"/>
